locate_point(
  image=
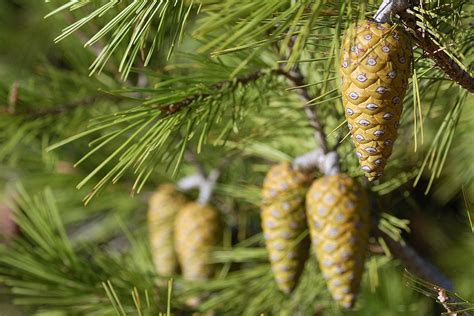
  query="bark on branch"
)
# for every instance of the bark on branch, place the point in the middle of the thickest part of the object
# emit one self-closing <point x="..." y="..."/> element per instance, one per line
<point x="453" y="70"/>
<point x="326" y="160"/>
<point x="172" y="108"/>
<point x="413" y="262"/>
<point x="56" y="110"/>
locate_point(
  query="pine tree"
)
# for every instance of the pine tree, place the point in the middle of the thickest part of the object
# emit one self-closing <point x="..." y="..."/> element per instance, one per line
<point x="102" y="102"/>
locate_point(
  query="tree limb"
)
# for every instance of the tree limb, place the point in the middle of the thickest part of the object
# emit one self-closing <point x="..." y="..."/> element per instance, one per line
<point x="297" y="79"/>
<point x="389" y="8"/>
<point x="57" y="109"/>
<point x="172" y="108"/>
<point x="323" y="158"/>
<point x="453" y="70"/>
<point x="413" y="261"/>
<point x="448" y="301"/>
<point x="451" y="302"/>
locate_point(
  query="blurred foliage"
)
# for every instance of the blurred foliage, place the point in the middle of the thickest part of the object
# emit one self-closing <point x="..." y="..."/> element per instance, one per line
<point x="116" y="139"/>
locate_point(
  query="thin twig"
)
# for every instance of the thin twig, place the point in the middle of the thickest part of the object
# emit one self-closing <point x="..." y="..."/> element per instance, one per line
<point x="172" y="108"/>
<point x="390" y="8"/>
<point x="191" y="157"/>
<point x="451" y="302"/>
<point x="57" y="109"/>
<point x="414" y="263"/>
<point x="298" y="81"/>
<point x="203" y="181"/>
<point x="438" y="54"/>
<point x="448" y="301"/>
<point x="326" y="160"/>
<point x="319" y="158"/>
<point x="296" y="77"/>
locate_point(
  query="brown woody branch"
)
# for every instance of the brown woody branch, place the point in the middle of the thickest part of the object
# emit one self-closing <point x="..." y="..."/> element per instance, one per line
<point x="438" y="54"/>
<point x="167" y="109"/>
<point x="172" y="108"/>
<point x="452" y="305"/>
<point x="413" y="262"/>
<point x="323" y="158"/>
<point x="297" y="79"/>
<point x="64" y="108"/>
<point x="56" y="110"/>
<point x="451" y="302"/>
<point x="390" y="8"/>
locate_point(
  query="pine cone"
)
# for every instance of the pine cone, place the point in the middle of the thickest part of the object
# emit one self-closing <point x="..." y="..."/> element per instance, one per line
<point x="375" y="67"/>
<point x="163" y="206"/>
<point x="197" y="230"/>
<point x="284" y="222"/>
<point x="338" y="218"/>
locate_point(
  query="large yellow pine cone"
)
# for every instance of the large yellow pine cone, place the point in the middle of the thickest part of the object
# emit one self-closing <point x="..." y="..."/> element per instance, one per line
<point x="338" y="218"/>
<point x="374" y="68"/>
<point x="163" y="206"/>
<point x="284" y="223"/>
<point x="197" y="230"/>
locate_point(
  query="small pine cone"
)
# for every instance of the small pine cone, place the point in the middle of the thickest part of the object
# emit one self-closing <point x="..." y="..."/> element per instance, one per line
<point x="284" y="223"/>
<point x="197" y="230"/>
<point x="375" y="67"/>
<point x="163" y="206"/>
<point x="338" y="218"/>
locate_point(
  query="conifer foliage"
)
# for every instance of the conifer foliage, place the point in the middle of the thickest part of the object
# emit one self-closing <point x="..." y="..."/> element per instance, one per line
<point x="236" y="157"/>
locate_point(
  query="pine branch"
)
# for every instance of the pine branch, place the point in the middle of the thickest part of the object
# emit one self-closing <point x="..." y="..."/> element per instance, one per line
<point x="404" y="252"/>
<point x="58" y="276"/>
<point x="413" y="261"/>
<point x="445" y="299"/>
<point x="437" y="53"/>
<point x="453" y="304"/>
<point x="322" y="158"/>
<point x="298" y="80"/>
<point x="172" y="108"/>
<point x="136" y="30"/>
<point x="59" y="109"/>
